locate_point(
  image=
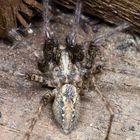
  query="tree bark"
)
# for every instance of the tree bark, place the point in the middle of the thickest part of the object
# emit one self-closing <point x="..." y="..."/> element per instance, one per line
<point x="8" y="11"/>
<point x="112" y="11"/>
<point x="12" y="11"/>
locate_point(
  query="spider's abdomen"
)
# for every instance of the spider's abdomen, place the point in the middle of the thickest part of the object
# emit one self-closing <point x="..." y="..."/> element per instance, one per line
<point x="66" y="108"/>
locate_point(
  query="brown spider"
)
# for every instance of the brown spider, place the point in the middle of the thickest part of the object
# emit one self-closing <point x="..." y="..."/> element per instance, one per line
<point x="68" y="69"/>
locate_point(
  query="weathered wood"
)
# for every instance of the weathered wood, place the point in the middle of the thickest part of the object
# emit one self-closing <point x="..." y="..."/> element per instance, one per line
<point x="25" y="9"/>
<point x="34" y="3"/>
<point x="119" y="82"/>
<point x="10" y="13"/>
<point x="112" y="11"/>
<point x="8" y="9"/>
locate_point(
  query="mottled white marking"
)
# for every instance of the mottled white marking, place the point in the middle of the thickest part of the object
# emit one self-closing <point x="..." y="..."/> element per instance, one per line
<point x="64" y="99"/>
<point x="65" y="63"/>
<point x="73" y="115"/>
<point x="66" y="131"/>
<point x="63" y="108"/>
<point x="62" y="47"/>
<point x="30" y="31"/>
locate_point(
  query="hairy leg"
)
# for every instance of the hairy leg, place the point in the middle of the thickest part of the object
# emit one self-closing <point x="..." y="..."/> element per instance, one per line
<point x="51" y="42"/>
<point x="71" y="39"/>
<point x="74" y="48"/>
<point x="108" y="106"/>
<point x="33" y="122"/>
<point x="44" y="81"/>
<point x="44" y="101"/>
<point x="46" y="15"/>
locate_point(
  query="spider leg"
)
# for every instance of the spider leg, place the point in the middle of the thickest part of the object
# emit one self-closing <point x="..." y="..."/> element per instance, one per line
<point x="33" y="122"/>
<point x="47" y="30"/>
<point x="44" y="81"/>
<point x="48" y="97"/>
<point x="73" y="47"/>
<point x="97" y="69"/>
<point x="71" y="39"/>
<point x="108" y="106"/>
<point x="44" y="101"/>
<point x="51" y="43"/>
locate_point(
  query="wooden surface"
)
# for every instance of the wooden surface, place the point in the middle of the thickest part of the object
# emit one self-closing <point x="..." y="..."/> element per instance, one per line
<point x="8" y="11"/>
<point x="119" y="82"/>
<point x="14" y="13"/>
<point x="112" y="11"/>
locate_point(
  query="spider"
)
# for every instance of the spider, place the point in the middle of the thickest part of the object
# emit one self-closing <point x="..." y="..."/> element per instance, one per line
<point x="68" y="69"/>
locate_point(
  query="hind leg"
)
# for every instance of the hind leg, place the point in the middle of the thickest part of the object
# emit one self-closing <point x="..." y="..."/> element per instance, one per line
<point x="108" y="107"/>
<point x="44" y="101"/>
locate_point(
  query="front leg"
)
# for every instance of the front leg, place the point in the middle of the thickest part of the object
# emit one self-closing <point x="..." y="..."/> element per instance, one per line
<point x="51" y="42"/>
<point x="49" y="54"/>
<point x="71" y="40"/>
<point x="76" y="52"/>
